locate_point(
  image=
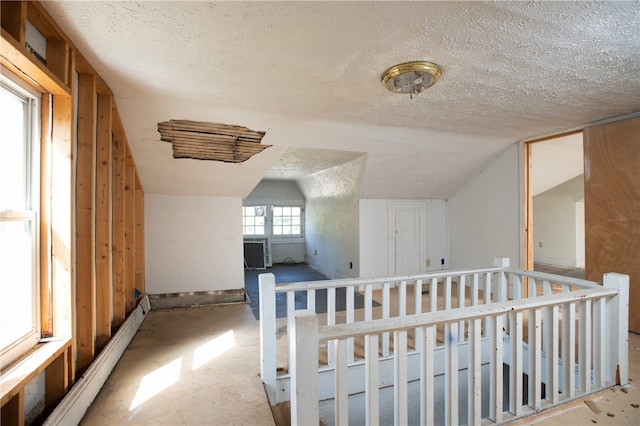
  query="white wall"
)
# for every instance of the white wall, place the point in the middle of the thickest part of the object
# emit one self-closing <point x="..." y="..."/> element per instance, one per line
<point x="485" y="215"/>
<point x="193" y="243"/>
<point x="374" y="236"/>
<point x="558" y="225"/>
<point x="271" y="189"/>
<point x="332" y="219"/>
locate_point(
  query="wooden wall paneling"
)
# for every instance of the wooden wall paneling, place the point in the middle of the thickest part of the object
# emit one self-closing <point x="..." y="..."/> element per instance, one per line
<point x="85" y="240"/>
<point x="62" y="218"/>
<point x="139" y="253"/>
<point x="612" y="205"/>
<point x="103" y="222"/>
<point x="118" y="241"/>
<point x="129" y="231"/>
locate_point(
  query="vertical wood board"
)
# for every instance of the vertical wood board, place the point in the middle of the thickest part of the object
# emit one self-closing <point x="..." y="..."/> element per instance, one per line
<point x="85" y="242"/>
<point x="612" y="205"/>
<point x="103" y="222"/>
<point x="129" y="232"/>
<point x="118" y="295"/>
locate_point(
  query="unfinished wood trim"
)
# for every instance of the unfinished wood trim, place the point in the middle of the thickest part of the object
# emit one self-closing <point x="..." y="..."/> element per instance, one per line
<point x="58" y="59"/>
<point x="26" y="66"/>
<point x="612" y="205"/>
<point x="46" y="296"/>
<point x="62" y="218"/>
<point x="528" y="209"/>
<point x="129" y="231"/>
<point x="15" y="378"/>
<point x="103" y="221"/>
<point x="139" y="239"/>
<point x="118" y="241"/>
<point x="85" y="242"/>
<point x="13" y="410"/>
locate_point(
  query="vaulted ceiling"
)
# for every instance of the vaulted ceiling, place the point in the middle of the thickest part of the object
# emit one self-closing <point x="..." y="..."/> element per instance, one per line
<point x="308" y="74"/>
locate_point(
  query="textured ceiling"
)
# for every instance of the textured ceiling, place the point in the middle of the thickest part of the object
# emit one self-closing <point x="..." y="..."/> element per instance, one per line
<point x="309" y="74"/>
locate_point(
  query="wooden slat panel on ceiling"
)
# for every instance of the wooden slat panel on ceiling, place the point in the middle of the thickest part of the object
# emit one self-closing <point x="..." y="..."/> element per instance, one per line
<point x="211" y="141"/>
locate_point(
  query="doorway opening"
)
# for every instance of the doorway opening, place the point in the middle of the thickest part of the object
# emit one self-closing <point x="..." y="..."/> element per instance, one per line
<point x="555" y="237"/>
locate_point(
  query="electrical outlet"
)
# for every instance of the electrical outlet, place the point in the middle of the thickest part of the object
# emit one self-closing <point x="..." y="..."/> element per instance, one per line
<point x="442" y="261"/>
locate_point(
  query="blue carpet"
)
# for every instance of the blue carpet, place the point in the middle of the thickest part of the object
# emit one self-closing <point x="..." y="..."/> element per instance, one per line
<point x="292" y="273"/>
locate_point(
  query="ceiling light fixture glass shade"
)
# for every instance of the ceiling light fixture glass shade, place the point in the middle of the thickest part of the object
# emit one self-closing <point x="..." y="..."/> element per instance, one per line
<point x="411" y="77"/>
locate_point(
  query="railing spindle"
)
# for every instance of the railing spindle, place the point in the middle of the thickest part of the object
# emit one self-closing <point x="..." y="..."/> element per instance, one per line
<point x="451" y="372"/>
<point x="386" y="288"/>
<point x="400" y="394"/>
<point x="584" y="346"/>
<point x="331" y="320"/>
<point x="515" y="368"/>
<point x="535" y="359"/>
<point x="372" y="380"/>
<point x="496" y="375"/>
<point x="462" y="286"/>
<point x="427" y="368"/>
<point x="350" y="319"/>
<point x="569" y="349"/>
<point x="341" y="399"/>
<point x="475" y="371"/>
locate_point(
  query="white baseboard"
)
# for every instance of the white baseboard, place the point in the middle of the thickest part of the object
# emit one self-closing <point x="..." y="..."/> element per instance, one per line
<point x="75" y="404"/>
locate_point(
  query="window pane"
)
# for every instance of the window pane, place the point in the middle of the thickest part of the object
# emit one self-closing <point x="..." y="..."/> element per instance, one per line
<point x="277" y="211"/>
<point x="295" y="220"/>
<point x="295" y="230"/>
<point x="277" y="221"/>
<point x="249" y="230"/>
<point x="13" y="152"/>
<point x="17" y="298"/>
<point x="259" y="230"/>
<point x="259" y="220"/>
<point x="295" y="211"/>
<point x="286" y="211"/>
<point x="277" y="230"/>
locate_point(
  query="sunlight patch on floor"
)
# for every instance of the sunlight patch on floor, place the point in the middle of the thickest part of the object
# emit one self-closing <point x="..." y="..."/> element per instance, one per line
<point x="157" y="381"/>
<point x="212" y="349"/>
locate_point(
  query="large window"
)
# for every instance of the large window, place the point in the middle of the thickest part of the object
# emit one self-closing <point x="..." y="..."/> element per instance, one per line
<point x="287" y="221"/>
<point x="273" y="220"/>
<point x="254" y="220"/>
<point x="19" y="195"/>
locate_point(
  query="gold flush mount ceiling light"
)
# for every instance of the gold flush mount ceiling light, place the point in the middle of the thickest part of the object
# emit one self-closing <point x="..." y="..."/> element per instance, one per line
<point x="411" y="77"/>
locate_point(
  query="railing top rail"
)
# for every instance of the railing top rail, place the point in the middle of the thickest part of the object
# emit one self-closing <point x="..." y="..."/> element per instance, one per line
<point x="555" y="278"/>
<point x="342" y="331"/>
<point x="350" y="282"/>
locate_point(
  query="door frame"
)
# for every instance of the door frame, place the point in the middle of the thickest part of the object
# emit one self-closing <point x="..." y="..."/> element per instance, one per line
<point x="528" y="196"/>
<point x="392" y="207"/>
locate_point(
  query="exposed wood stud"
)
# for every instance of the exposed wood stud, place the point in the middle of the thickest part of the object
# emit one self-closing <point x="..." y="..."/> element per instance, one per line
<point x="211" y="141"/>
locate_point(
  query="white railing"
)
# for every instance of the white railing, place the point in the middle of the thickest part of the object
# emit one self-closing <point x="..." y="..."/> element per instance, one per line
<point x="471" y="320"/>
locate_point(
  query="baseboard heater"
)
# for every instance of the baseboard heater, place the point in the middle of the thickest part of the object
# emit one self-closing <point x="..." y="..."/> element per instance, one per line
<point x="75" y="404"/>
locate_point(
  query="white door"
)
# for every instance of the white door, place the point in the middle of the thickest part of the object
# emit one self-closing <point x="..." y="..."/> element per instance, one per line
<point x="407" y="238"/>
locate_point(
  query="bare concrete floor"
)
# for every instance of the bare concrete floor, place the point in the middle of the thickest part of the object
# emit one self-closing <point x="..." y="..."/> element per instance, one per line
<point x="201" y="366"/>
